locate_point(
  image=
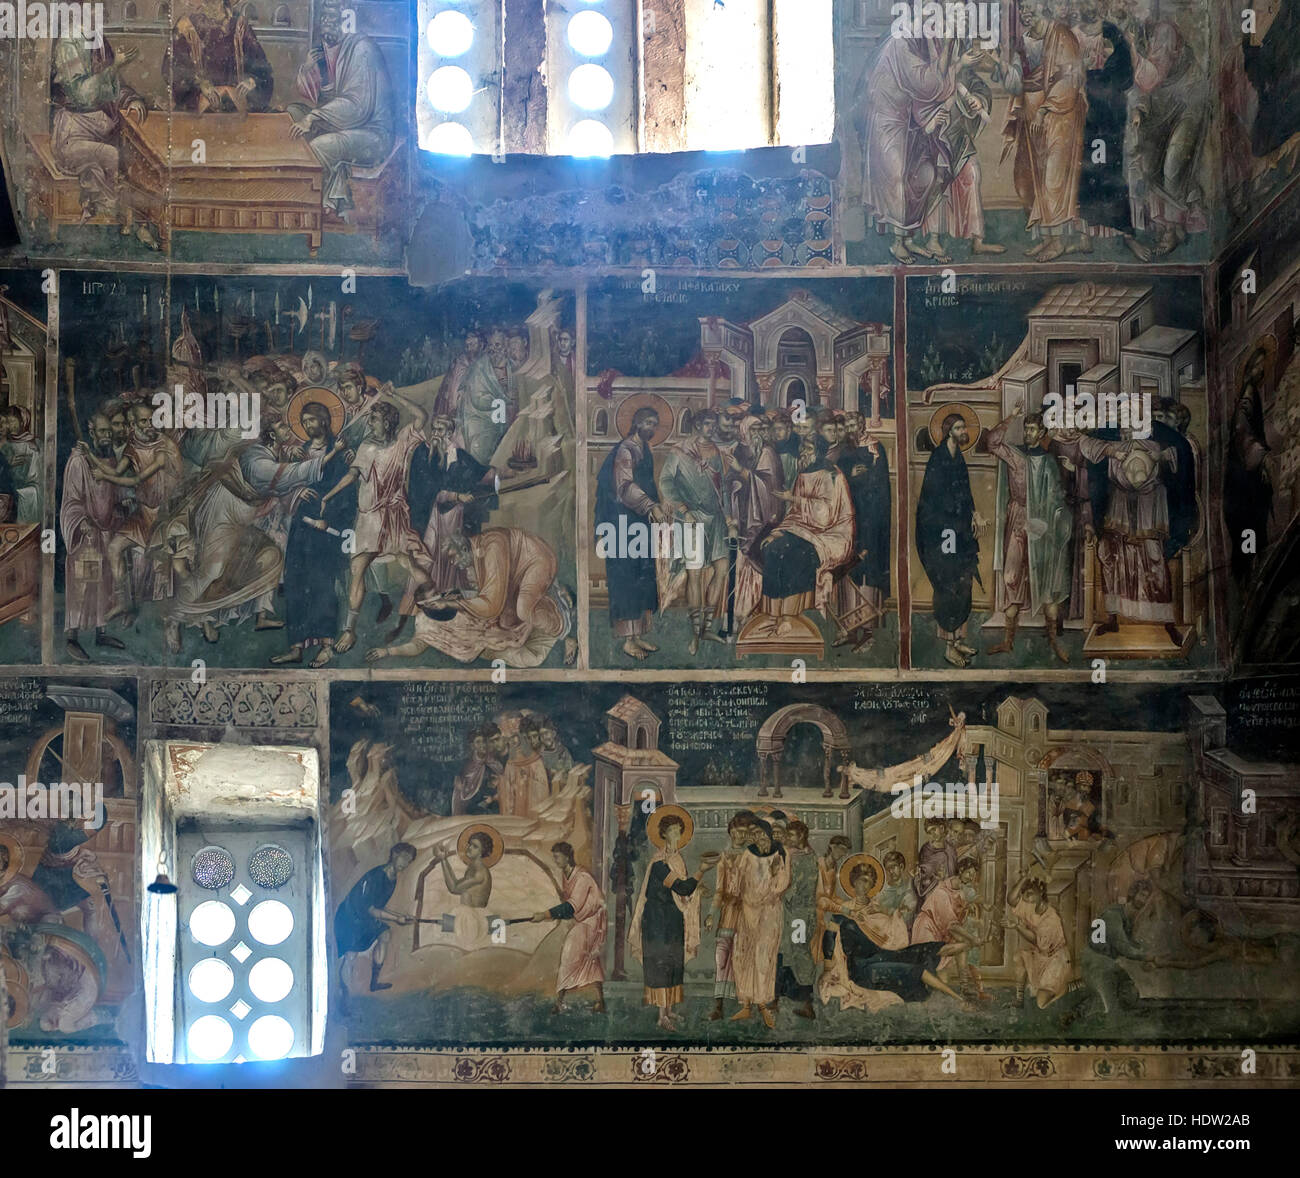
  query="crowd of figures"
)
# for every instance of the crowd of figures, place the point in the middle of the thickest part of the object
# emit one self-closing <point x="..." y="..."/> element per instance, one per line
<point x="842" y="931"/>
<point x="333" y="498"/>
<point x="795" y="514"/>
<point x="791" y="511"/>
<point x="1137" y="497"/>
<point x="1108" y="118"/>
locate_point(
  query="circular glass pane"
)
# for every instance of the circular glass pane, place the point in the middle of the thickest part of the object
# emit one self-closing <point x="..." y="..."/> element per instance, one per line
<point x="211" y="980"/>
<point x="270" y="1037"/>
<point x="270" y="866"/>
<point x="450" y="34"/>
<point x="451" y="139"/>
<point x="590" y="34"/>
<point x="590" y="138"/>
<point x="270" y="922"/>
<point x="213" y="868"/>
<point x="450" y="88"/>
<point x="212" y="923"/>
<point x="270" y="979"/>
<point x="210" y="1037"/>
<point x="591" y="87"/>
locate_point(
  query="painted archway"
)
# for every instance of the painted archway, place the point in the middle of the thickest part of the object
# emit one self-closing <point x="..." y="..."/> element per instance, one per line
<point x="772" y="736"/>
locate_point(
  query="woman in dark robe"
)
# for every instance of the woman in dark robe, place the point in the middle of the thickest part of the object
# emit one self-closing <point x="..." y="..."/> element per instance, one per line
<point x="314" y="561"/>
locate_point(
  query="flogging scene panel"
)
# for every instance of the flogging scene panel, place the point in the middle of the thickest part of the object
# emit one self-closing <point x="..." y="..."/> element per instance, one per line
<point x="1062" y="505"/>
<point x="279" y="472"/>
<point x="753" y="864"/>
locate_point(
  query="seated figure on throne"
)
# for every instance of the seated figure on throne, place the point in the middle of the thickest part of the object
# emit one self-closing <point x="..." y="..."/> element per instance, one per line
<point x="90" y="101"/>
<point x="347" y="116"/>
<point x="801" y="555"/>
<point x="216" y="63"/>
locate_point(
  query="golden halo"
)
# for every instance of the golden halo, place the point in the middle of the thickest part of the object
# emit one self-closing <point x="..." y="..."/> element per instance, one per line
<point x="498" y="843"/>
<point x="16" y="983"/>
<point x="968" y="415"/>
<point x="629" y="406"/>
<point x="327" y="397"/>
<point x="846" y="870"/>
<point x="656" y="819"/>
<point x="16" y="857"/>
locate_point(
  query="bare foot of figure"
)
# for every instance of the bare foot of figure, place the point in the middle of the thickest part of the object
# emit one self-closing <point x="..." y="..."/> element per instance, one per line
<point x="211" y="633"/>
<point x="979" y="246"/>
<point x="266" y="622"/>
<point x="644" y="645"/>
<point x="292" y="655"/>
<point x="324" y="655"/>
<point x="570" y="652"/>
<point x="631" y="647"/>
<point x="1137" y="249"/>
<point x="900" y="251"/>
<point x="347" y="640"/>
<point x="1051" y="251"/>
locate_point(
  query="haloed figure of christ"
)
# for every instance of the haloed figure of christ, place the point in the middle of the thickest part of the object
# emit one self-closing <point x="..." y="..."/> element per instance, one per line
<point x="626" y="493"/>
<point x="946" y="523"/>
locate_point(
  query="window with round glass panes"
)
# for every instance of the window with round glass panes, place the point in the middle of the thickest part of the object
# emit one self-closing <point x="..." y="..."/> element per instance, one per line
<point x="245" y="916"/>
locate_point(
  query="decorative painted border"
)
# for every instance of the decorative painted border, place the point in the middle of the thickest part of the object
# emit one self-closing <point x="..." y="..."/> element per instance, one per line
<point x="919" y="1066"/>
<point x="984" y="1066"/>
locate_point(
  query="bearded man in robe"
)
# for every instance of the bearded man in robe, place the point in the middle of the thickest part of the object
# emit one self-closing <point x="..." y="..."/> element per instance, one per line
<point x="946" y="541"/>
<point x="486" y="399"/>
<point x="756" y="476"/>
<point x="90" y="513"/>
<point x="1169" y="109"/>
<point x="691" y="491"/>
<point x="216" y="62"/>
<point x="1135" y="525"/>
<point x="475" y="788"/>
<point x="908" y="163"/>
<point x="764" y="875"/>
<point x="1033" y="558"/>
<point x="1044" y="126"/>
<point x="348" y="117"/>
<point x="152" y="466"/>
